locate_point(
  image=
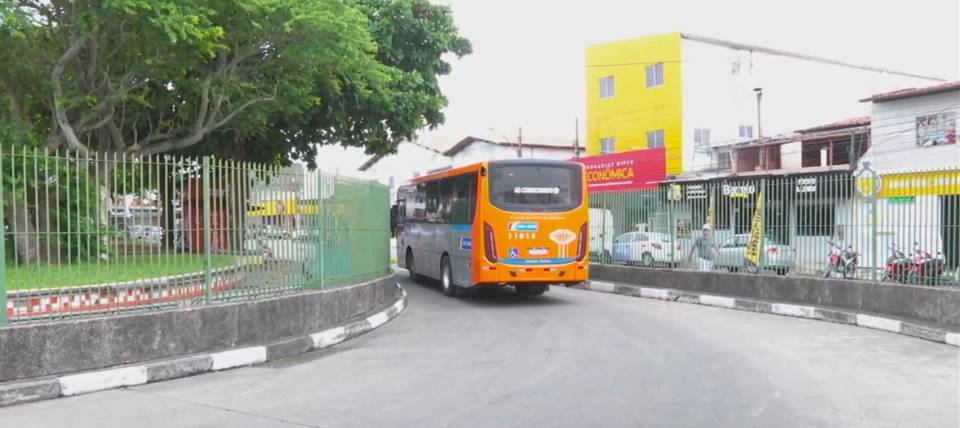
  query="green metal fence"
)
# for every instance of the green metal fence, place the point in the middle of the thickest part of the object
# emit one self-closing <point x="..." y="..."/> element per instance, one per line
<point x="903" y="227"/>
<point x="92" y="234"/>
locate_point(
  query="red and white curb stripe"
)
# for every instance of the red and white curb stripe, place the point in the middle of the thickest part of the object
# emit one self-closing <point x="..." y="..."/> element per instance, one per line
<point x="24" y="305"/>
<point x="785" y="309"/>
<point x="99" y="380"/>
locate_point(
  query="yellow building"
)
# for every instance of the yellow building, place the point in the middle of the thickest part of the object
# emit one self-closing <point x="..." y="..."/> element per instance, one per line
<point x="694" y="96"/>
<point x="633" y="97"/>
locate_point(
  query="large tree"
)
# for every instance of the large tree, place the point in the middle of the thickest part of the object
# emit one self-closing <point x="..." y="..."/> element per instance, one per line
<point x="249" y="79"/>
<point x="152" y="76"/>
<point x="414" y="39"/>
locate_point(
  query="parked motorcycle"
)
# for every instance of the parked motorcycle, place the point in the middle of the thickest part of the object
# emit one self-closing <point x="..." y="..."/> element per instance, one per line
<point x="898" y="266"/>
<point x="842" y="260"/>
<point x="924" y="267"/>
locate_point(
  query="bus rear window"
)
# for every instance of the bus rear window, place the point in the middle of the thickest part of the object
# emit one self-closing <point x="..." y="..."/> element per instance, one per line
<point x="533" y="187"/>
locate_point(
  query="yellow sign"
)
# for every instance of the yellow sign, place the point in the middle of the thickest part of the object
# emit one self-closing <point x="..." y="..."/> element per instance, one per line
<point x="920" y="184"/>
<point x="756" y="229"/>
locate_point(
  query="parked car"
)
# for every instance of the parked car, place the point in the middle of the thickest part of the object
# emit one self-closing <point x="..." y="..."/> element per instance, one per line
<point x="778" y="257"/>
<point x="646" y="249"/>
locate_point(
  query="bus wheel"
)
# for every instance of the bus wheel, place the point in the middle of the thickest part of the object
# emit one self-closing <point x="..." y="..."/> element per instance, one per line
<point x="531" y="290"/>
<point x="446" y="278"/>
<point x="410" y="265"/>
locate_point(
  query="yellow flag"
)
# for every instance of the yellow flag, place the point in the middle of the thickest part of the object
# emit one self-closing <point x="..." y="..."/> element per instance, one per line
<point x="756" y="230"/>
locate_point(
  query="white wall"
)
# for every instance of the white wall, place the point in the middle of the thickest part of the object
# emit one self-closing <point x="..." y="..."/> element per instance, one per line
<point x="480" y="151"/>
<point x="893" y="144"/>
<point x="797" y="94"/>
<point x="409" y="160"/>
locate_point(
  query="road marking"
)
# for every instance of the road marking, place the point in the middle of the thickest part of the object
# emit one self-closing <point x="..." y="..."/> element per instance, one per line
<point x="792" y="310"/>
<point x="604" y="287"/>
<point x="104" y="379"/>
<point x="329" y="337"/>
<point x="654" y="293"/>
<point x="878" y="323"/>
<point x="719" y="301"/>
<point x="238" y="357"/>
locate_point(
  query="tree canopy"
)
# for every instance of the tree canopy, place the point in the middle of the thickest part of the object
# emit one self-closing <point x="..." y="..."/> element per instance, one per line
<point x="250" y="79"/>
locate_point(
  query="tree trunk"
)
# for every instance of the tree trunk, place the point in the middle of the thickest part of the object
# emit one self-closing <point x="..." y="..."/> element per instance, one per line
<point x="18" y="217"/>
<point x="48" y="224"/>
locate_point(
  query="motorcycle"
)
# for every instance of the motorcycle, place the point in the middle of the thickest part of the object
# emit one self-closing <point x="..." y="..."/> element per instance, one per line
<point x="842" y="260"/>
<point x="898" y="266"/>
<point x="924" y="267"/>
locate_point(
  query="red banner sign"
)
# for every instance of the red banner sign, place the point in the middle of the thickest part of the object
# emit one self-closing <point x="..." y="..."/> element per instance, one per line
<point x="636" y="170"/>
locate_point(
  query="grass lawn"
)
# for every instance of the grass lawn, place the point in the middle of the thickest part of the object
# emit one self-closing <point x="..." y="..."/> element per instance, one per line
<point x="127" y="268"/>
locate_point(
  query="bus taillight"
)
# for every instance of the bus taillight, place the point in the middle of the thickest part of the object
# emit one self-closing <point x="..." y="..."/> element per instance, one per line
<point x="582" y="246"/>
<point x="489" y="243"/>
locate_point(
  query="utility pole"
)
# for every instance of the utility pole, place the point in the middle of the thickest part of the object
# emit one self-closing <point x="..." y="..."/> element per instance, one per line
<point x="763" y="152"/>
<point x="520" y="143"/>
<point x="576" y="137"/>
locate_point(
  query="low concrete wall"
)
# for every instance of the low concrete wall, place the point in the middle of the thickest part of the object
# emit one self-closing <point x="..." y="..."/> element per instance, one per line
<point x="937" y="306"/>
<point x="45" y="349"/>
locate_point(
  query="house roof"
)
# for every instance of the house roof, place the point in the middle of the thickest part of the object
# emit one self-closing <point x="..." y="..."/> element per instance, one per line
<point x="441" y="145"/>
<point x="846" y="123"/>
<point x="913" y="92"/>
<point x="814" y="58"/>
<point x="540" y="143"/>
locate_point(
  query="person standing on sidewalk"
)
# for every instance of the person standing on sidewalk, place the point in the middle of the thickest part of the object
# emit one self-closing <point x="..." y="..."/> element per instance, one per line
<point x="705" y="248"/>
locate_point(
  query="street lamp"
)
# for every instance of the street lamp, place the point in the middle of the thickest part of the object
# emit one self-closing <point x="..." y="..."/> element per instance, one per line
<point x="763" y="153"/>
<point x="507" y="140"/>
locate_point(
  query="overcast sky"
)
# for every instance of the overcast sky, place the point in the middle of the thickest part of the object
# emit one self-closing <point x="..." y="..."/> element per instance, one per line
<point x="527" y="68"/>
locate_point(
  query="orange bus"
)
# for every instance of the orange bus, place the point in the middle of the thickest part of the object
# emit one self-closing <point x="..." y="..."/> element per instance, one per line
<point x="512" y="222"/>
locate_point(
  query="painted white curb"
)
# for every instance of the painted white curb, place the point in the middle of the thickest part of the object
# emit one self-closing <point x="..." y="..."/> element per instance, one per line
<point x="654" y="293"/>
<point x="878" y="323"/>
<point x="378" y="319"/>
<point x="329" y="337"/>
<point x="239" y="357"/>
<point x="104" y="379"/>
<point x="792" y="310"/>
<point x="719" y="301"/>
<point x="139" y="375"/>
<point x="785" y="309"/>
<point x="603" y="287"/>
<point x="952" y="339"/>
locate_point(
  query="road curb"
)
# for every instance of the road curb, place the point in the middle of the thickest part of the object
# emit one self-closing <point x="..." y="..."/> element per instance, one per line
<point x="782" y="309"/>
<point x="98" y="380"/>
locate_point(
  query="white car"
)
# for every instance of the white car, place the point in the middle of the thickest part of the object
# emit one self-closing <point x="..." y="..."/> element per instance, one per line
<point x="601" y="233"/>
<point x="646" y="249"/>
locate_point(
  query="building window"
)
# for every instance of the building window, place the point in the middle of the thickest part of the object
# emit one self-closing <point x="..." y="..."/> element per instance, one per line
<point x="746" y="131"/>
<point x="723" y="161"/>
<point x="655" y="139"/>
<point x="608" y="145"/>
<point x="701" y="137"/>
<point x="655" y="75"/>
<point x="606" y="87"/>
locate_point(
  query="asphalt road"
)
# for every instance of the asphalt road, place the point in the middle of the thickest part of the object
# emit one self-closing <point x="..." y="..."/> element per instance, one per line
<point x="567" y="359"/>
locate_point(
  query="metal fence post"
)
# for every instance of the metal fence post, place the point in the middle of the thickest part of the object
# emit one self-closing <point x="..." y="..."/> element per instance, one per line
<point x="875" y="252"/>
<point x="4" y="321"/>
<point x="762" y="206"/>
<point x="207" y="262"/>
<point x="322" y="233"/>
